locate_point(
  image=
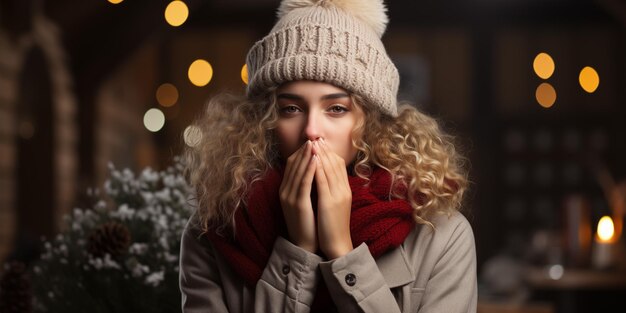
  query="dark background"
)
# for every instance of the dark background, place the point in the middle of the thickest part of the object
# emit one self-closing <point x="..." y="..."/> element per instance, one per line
<point x="467" y="63"/>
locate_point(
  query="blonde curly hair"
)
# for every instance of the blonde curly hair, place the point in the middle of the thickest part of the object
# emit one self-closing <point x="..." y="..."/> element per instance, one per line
<point x="238" y="146"/>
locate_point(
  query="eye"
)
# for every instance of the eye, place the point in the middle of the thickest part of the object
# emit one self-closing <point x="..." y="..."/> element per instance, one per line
<point x="289" y="109"/>
<point x="337" y="109"/>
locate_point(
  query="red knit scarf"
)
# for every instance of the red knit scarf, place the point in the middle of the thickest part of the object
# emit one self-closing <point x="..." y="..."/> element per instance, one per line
<point x="376" y="219"/>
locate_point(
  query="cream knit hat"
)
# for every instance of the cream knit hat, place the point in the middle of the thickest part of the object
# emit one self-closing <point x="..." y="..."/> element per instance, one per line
<point x="333" y="41"/>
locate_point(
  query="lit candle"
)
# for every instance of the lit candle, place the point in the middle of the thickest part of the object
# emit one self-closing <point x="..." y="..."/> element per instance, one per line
<point x="602" y="257"/>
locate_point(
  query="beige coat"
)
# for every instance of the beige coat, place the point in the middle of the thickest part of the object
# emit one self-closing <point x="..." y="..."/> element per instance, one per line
<point x="432" y="271"/>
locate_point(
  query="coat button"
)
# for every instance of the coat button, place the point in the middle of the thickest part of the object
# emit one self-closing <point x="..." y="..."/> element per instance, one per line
<point x="286" y="269"/>
<point x="351" y="279"/>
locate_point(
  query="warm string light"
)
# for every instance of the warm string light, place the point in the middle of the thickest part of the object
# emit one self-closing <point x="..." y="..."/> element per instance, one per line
<point x="176" y="13"/>
<point x="589" y="79"/>
<point x="244" y="73"/>
<point x="167" y="95"/>
<point x="546" y="95"/>
<point x="154" y="120"/>
<point x="543" y="65"/>
<point x="200" y="72"/>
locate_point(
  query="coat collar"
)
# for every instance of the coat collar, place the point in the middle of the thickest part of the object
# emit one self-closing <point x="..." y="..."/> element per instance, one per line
<point x="395" y="267"/>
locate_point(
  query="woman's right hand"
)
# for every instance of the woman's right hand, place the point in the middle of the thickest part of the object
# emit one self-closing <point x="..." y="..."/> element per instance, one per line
<point x="295" y="198"/>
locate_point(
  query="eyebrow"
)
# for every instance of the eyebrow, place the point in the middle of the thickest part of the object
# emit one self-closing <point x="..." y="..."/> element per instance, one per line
<point x="291" y="96"/>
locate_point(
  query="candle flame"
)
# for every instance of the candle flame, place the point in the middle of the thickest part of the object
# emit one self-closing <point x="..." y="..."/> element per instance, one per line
<point x="605" y="228"/>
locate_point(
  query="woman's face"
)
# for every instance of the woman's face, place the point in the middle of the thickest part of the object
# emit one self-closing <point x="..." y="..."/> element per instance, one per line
<point x="310" y="110"/>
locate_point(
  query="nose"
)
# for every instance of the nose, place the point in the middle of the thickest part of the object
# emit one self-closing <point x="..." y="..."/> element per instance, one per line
<point x="313" y="129"/>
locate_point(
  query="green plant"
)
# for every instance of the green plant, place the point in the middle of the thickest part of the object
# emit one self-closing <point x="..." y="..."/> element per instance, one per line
<point x="121" y="255"/>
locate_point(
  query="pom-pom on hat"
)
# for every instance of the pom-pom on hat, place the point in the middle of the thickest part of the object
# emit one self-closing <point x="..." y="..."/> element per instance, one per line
<point x="332" y="41"/>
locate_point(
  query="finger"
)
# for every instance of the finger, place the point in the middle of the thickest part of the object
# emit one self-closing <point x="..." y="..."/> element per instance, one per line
<point x="327" y="159"/>
<point x="339" y="170"/>
<point x="343" y="169"/>
<point x="288" y="185"/>
<point x="307" y="179"/>
<point x="291" y="166"/>
<point x="305" y="157"/>
<point x="288" y="167"/>
<point x="302" y="168"/>
<point x="292" y="159"/>
<point x="321" y="180"/>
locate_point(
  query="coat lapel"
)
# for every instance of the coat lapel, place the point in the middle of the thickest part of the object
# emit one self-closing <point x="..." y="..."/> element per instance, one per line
<point x="395" y="267"/>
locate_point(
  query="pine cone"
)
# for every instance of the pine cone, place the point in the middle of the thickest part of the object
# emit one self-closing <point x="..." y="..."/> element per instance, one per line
<point x="15" y="290"/>
<point x="112" y="238"/>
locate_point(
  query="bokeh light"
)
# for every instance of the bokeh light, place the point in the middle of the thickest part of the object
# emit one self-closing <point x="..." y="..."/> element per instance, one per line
<point x="167" y="95"/>
<point x="115" y="1"/>
<point x="546" y="95"/>
<point x="200" y="72"/>
<point x="556" y="271"/>
<point x="192" y="135"/>
<point x="154" y="120"/>
<point x="589" y="79"/>
<point x="606" y="229"/>
<point x="176" y="13"/>
<point x="244" y="73"/>
<point x="543" y="65"/>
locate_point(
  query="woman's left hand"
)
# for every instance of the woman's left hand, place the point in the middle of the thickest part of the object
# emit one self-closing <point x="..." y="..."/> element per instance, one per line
<point x="334" y="202"/>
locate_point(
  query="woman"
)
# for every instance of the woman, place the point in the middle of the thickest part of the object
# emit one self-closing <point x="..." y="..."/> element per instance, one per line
<point x="314" y="192"/>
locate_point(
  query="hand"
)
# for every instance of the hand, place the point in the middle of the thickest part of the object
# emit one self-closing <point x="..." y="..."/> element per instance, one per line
<point x="295" y="198"/>
<point x="334" y="202"/>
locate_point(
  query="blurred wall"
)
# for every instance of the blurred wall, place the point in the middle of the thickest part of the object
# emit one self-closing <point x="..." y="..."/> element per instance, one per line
<point x="38" y="136"/>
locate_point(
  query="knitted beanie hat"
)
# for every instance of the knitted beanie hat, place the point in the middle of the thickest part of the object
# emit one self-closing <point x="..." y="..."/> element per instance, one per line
<point x="332" y="41"/>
